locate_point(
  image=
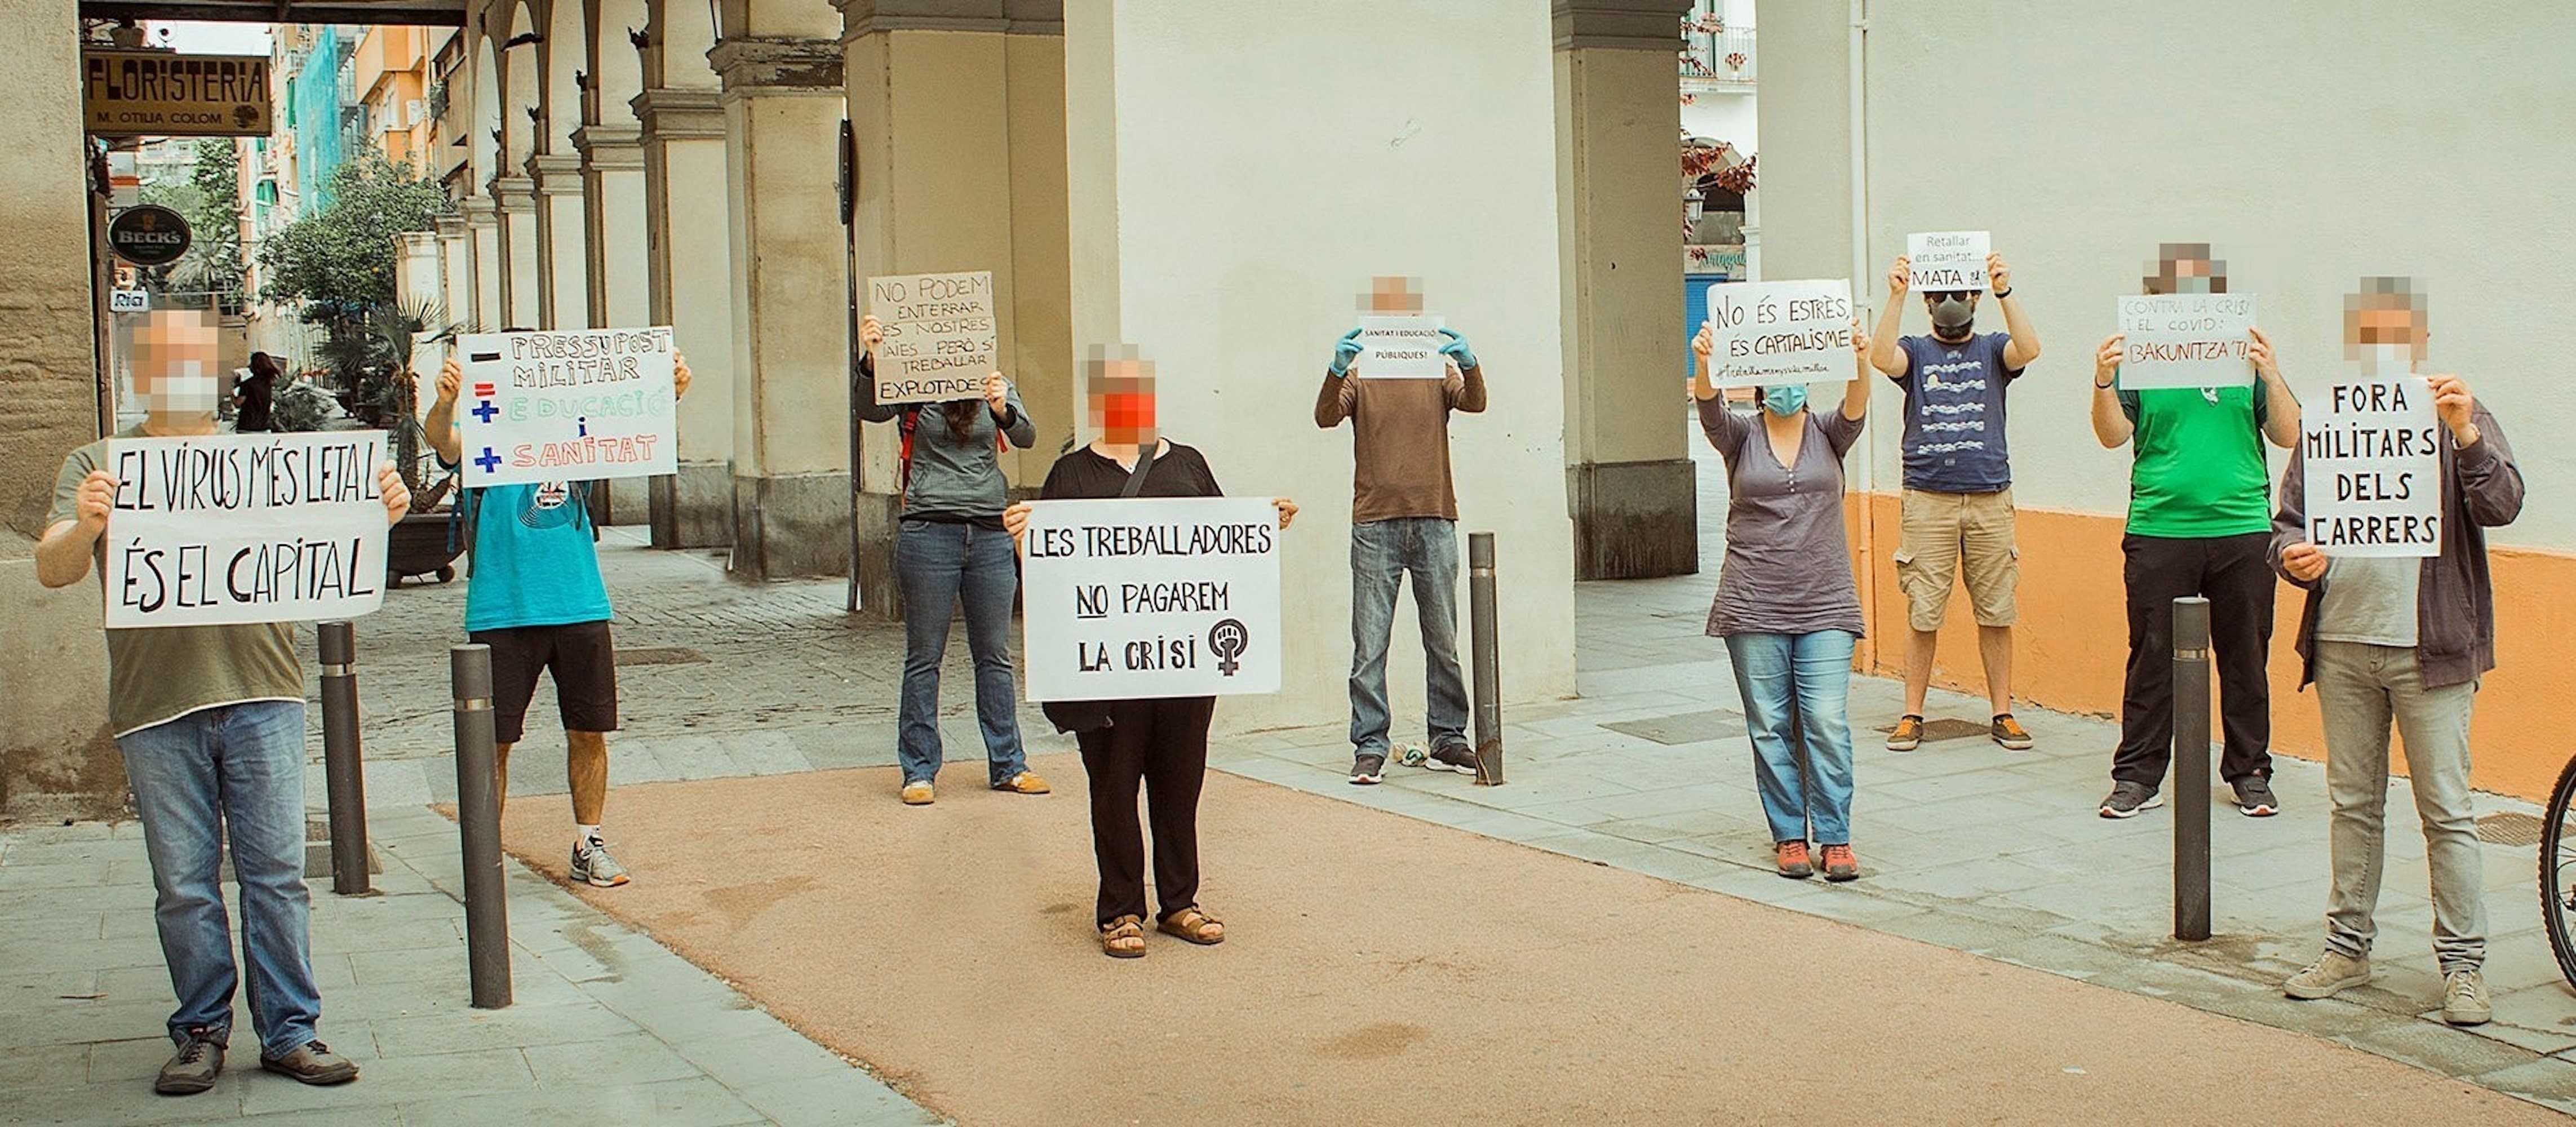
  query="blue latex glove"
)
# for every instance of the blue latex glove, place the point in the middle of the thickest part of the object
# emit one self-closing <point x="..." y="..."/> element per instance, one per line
<point x="1345" y="352"/>
<point x="1457" y="350"/>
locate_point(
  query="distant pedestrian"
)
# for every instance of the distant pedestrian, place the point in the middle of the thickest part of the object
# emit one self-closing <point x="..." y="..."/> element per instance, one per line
<point x="950" y="547"/>
<point x="253" y="396"/>
<point x="1787" y="606"/>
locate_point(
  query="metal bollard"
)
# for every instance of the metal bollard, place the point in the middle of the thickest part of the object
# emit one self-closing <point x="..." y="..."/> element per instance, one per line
<point x="478" y="827"/>
<point x="1488" y="658"/>
<point x="2191" y="767"/>
<point x="344" y="780"/>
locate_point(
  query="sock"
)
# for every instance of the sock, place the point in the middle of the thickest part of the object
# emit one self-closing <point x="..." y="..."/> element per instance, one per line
<point x="582" y="835"/>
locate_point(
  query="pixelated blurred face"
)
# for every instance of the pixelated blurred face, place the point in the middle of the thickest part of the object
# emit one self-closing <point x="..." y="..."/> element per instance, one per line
<point x="173" y="363"/>
<point x="1392" y="296"/>
<point x="1120" y="391"/>
<point x="2384" y="326"/>
<point x="2185" y="268"/>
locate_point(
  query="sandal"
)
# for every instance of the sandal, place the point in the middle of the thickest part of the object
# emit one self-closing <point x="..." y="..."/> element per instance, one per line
<point x="1194" y="925"/>
<point x="1123" y="938"/>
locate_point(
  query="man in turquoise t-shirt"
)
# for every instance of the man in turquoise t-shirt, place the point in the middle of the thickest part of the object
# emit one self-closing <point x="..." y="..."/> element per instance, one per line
<point x="536" y="597"/>
<point x="2199" y="524"/>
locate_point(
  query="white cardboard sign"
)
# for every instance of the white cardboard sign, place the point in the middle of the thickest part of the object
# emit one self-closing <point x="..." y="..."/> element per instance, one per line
<point x="2373" y="454"/>
<point x="1166" y="597"/>
<point x="1780" y="332"/>
<point x="940" y="335"/>
<point x="226" y="528"/>
<point x="2190" y="340"/>
<point x="567" y="405"/>
<point x="1402" y="348"/>
<point x="1948" y="260"/>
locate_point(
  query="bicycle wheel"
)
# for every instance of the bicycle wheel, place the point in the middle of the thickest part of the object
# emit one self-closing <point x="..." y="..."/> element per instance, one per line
<point x="2557" y="867"/>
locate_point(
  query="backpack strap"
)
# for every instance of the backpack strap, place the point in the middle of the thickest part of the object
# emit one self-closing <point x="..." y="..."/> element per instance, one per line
<point x="908" y="422"/>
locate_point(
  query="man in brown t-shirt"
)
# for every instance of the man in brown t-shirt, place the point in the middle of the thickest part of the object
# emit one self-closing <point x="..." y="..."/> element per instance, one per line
<point x="1404" y="518"/>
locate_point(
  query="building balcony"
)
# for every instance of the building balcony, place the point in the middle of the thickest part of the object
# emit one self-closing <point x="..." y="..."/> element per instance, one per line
<point x="1715" y="57"/>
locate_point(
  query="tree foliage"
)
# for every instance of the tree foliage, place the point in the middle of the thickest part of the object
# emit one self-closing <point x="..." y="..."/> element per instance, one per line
<point x="341" y="258"/>
<point x="210" y="200"/>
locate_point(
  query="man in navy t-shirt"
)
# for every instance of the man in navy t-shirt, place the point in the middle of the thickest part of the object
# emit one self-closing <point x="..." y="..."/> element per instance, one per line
<point x="1958" y="507"/>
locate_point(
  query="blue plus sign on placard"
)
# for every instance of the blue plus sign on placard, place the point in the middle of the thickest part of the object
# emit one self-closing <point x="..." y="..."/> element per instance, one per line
<point x="485" y="410"/>
<point x="489" y="461"/>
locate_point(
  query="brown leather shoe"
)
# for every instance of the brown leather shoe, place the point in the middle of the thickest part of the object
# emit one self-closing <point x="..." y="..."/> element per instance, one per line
<point x="1908" y="734"/>
<point x="313" y="1063"/>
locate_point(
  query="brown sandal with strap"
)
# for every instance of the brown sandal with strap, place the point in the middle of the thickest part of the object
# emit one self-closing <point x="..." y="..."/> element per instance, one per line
<point x="1194" y="925"/>
<point x="1123" y="938"/>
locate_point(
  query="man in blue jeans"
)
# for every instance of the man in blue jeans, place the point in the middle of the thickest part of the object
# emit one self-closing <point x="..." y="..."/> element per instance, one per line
<point x="1404" y="520"/>
<point x="210" y="720"/>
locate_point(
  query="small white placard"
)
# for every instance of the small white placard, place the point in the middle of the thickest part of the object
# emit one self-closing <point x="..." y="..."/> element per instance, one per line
<point x="1173" y="597"/>
<point x="940" y="335"/>
<point x="1948" y="260"/>
<point x="1402" y="348"/>
<point x="2190" y="340"/>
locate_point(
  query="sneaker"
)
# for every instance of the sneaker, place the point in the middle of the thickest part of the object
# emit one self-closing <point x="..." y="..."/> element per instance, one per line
<point x="2254" y="797"/>
<point x="591" y="865"/>
<point x="313" y="1063"/>
<point x="2464" y="998"/>
<point x="1026" y="782"/>
<point x="2126" y="799"/>
<point x="2332" y="974"/>
<point x="1368" y="770"/>
<point x="1840" y="865"/>
<point x="1455" y="757"/>
<point x="1791" y="856"/>
<point x="194" y="1067"/>
<point x="2009" y="733"/>
<point x="917" y="793"/>
<point x="1908" y="734"/>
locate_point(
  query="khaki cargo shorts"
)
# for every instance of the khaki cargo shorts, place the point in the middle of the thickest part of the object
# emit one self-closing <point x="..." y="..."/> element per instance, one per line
<point x="1946" y="534"/>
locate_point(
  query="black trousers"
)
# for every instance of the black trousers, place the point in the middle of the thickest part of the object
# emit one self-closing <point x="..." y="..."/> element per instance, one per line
<point x="1162" y="744"/>
<point x="2234" y="575"/>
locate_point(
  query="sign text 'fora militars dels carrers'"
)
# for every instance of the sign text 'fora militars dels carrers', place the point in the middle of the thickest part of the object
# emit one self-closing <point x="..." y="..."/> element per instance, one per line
<point x="2373" y="457"/>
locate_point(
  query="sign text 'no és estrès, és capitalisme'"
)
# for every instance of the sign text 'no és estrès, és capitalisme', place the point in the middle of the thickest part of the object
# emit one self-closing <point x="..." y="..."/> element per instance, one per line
<point x="567" y="405"/>
<point x="1780" y="332"/>
<point x="1402" y="348"/>
<point x="2373" y="457"/>
<point x="941" y="339"/>
<point x="244" y="528"/>
<point x="2189" y="340"/>
<point x="1948" y="260"/>
<point x="1165" y="597"/>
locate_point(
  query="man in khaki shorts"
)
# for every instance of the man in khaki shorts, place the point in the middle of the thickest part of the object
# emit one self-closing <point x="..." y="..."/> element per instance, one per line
<point x="1958" y="503"/>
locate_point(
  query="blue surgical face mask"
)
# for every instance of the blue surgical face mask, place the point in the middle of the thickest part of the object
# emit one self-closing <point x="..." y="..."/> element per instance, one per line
<point x="1784" y="399"/>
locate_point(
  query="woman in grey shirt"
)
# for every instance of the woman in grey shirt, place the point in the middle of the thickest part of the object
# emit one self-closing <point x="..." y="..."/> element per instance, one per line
<point x="1786" y="604"/>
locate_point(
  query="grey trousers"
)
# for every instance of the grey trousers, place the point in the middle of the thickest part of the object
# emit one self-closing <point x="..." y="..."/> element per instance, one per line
<point x="2360" y="689"/>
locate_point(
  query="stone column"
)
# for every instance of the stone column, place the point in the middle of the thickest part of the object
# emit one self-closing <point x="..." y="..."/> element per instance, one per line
<point x="522" y="254"/>
<point x="484" y="264"/>
<point x="688" y="278"/>
<point x="456" y="269"/>
<point x="1629" y="476"/>
<point x="958" y="113"/>
<point x="612" y="188"/>
<point x="563" y="232"/>
<point x="783" y="103"/>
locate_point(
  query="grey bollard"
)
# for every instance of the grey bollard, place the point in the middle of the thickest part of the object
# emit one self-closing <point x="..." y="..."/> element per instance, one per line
<point x="478" y="827"/>
<point x="2191" y="767"/>
<point x="344" y="778"/>
<point x="1487" y="643"/>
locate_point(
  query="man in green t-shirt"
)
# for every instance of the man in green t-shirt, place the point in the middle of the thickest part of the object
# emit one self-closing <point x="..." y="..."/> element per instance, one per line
<point x="2199" y="524"/>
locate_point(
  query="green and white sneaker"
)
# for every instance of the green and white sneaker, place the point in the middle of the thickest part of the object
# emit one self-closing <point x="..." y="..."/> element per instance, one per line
<point x="592" y="865"/>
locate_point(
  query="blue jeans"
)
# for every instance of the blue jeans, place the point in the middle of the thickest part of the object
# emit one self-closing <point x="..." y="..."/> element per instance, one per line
<point x="937" y="564"/>
<point x="1797" y="696"/>
<point x="236" y="769"/>
<point x="1382" y="551"/>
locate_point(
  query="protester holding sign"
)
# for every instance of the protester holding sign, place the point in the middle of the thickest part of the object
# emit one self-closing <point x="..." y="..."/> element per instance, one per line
<point x="210" y="721"/>
<point x="1958" y="503"/>
<point x="2404" y="639"/>
<point x="2199" y="523"/>
<point x="1158" y="742"/>
<point x="1786" y="604"/>
<point x="951" y="547"/>
<point x="538" y="600"/>
<point x="1404" y="520"/>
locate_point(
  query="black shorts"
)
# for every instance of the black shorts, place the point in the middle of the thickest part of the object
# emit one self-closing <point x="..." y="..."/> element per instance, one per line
<point x="585" y="669"/>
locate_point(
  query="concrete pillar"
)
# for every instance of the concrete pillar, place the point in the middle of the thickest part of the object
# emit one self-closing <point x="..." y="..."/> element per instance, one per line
<point x="563" y="234"/>
<point x="958" y="113"/>
<point x="523" y="280"/>
<point x="783" y="103"/>
<point x="612" y="186"/>
<point x="456" y="270"/>
<point x="1629" y="478"/>
<point x="688" y="280"/>
<point x="484" y="267"/>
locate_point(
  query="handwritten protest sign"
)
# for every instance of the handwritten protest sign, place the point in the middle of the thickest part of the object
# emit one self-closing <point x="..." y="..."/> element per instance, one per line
<point x="1402" y="348"/>
<point x="1780" y="332"/>
<point x="2186" y="340"/>
<point x="567" y="405"/>
<point x="245" y="528"/>
<point x="2374" y="469"/>
<point x="1151" y="598"/>
<point x="940" y="340"/>
<point x="1948" y="260"/>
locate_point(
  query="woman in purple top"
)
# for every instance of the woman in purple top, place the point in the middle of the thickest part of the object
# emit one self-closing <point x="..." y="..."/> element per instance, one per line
<point x="1786" y="604"/>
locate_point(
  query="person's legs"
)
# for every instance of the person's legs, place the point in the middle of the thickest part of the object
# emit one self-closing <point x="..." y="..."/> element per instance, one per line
<point x="991" y="577"/>
<point x="1763" y="679"/>
<point x="172" y="768"/>
<point x="518" y="657"/>
<point x="929" y="562"/>
<point x="1995" y="651"/>
<point x="2435" y="726"/>
<point x="1175" y="770"/>
<point x="1927" y="567"/>
<point x="1377" y="565"/>
<point x="2241" y="585"/>
<point x="260" y="752"/>
<point x="1990" y="558"/>
<point x="1114" y="759"/>
<point x="1821" y="662"/>
<point x="586" y="768"/>
<point x="2353" y="701"/>
<point x="1433" y="560"/>
<point x="584" y="661"/>
<point x="2156" y="570"/>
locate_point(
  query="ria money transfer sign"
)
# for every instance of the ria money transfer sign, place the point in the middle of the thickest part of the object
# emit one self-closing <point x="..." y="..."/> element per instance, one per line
<point x="567" y="405"/>
<point x="1167" y="597"/>
<point x="224" y="528"/>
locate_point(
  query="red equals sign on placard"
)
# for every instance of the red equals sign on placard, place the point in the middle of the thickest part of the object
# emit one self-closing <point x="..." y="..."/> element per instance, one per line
<point x="483" y="391"/>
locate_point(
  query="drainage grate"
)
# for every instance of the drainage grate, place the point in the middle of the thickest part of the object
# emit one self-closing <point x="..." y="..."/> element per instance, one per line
<point x="659" y="655"/>
<point x="2508" y="827"/>
<point x="1686" y="728"/>
<point x="1935" y="731"/>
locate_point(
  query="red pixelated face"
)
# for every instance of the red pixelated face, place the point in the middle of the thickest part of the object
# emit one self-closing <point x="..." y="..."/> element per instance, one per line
<point x="1121" y="399"/>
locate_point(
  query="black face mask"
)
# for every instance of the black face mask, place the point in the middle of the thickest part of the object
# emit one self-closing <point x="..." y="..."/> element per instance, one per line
<point x="1953" y="318"/>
